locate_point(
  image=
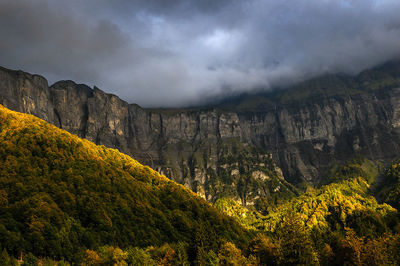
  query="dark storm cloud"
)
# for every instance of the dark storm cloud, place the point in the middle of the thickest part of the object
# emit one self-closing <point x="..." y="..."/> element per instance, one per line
<point x="178" y="52"/>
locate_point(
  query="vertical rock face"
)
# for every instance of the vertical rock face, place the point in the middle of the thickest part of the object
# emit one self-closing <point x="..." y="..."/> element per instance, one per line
<point x="307" y="138"/>
<point x="26" y="93"/>
<point x="219" y="152"/>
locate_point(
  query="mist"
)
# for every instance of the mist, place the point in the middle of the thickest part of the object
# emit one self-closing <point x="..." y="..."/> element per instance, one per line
<point x="178" y="53"/>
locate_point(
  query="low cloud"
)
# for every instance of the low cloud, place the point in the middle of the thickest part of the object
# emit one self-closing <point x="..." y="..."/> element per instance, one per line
<point x="177" y="53"/>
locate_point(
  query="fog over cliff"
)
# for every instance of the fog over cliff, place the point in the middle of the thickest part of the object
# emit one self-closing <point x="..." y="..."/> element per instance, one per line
<point x="177" y="52"/>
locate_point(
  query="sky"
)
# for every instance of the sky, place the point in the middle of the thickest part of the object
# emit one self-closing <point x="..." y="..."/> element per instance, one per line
<point x="173" y="53"/>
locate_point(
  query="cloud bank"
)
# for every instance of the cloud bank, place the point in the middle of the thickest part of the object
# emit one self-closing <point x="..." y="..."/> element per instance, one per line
<point x="182" y="52"/>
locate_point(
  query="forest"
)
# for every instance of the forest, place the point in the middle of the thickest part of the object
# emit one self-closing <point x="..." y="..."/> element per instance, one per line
<point x="67" y="201"/>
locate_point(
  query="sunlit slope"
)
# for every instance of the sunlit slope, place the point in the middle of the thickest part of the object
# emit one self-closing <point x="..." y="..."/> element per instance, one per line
<point x="60" y="194"/>
<point x="346" y="203"/>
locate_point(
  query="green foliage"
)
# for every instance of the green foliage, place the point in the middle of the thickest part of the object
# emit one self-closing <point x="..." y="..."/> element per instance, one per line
<point x="291" y="245"/>
<point x="230" y="255"/>
<point x="30" y="260"/>
<point x="333" y="207"/>
<point x="112" y="256"/>
<point x="91" y="258"/>
<point x="5" y="259"/>
<point x="296" y="245"/>
<point x="243" y="173"/>
<point x="61" y="195"/>
<point x="352" y="169"/>
<point x="138" y="256"/>
<point x="264" y="250"/>
<point x="245" y="217"/>
<point x="67" y="199"/>
<point x="355" y="250"/>
<point x="205" y="240"/>
<point x="181" y="256"/>
<point x="391" y="190"/>
<point x="340" y="223"/>
<point x="211" y="259"/>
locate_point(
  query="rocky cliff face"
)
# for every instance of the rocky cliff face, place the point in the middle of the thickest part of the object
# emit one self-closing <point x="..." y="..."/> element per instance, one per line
<point x="218" y="151"/>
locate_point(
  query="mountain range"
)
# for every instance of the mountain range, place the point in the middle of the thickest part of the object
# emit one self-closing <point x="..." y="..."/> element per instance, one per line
<point x="307" y="175"/>
<point x="266" y="145"/>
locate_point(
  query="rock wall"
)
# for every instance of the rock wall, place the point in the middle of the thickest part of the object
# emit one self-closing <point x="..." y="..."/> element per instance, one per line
<point x="219" y="152"/>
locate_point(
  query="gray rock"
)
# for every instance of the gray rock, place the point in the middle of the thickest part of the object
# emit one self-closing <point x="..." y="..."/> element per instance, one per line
<point x="200" y="148"/>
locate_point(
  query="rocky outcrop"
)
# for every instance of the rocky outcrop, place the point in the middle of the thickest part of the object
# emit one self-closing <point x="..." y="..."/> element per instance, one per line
<point x="221" y="152"/>
<point x="307" y="138"/>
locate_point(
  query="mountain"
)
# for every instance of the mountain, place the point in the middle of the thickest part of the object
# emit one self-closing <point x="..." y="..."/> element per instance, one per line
<point x="341" y="223"/>
<point x="61" y="195"/>
<point x="333" y="207"/>
<point x="250" y="148"/>
<point x="65" y="200"/>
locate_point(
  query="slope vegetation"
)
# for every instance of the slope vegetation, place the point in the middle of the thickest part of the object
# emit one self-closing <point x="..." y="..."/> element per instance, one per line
<point x="338" y="223"/>
<point x="61" y="195"/>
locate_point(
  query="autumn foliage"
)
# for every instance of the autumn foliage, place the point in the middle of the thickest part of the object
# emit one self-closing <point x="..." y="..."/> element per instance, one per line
<point x="64" y="200"/>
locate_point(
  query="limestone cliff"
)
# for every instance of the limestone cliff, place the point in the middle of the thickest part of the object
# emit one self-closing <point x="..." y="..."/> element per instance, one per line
<point x="228" y="150"/>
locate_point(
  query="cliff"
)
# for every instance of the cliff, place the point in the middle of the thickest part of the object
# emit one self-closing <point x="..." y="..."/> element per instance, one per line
<point x="231" y="149"/>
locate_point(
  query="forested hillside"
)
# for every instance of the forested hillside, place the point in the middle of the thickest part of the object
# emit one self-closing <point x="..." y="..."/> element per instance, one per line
<point x="339" y="223"/>
<point x="64" y="200"/>
<point x="61" y="196"/>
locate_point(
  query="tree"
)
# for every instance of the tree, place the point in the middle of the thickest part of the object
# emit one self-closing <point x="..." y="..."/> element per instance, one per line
<point x="204" y="240"/>
<point x="351" y="248"/>
<point x="229" y="254"/>
<point x="163" y="255"/>
<point x="30" y="260"/>
<point x="326" y="255"/>
<point x="138" y="256"/>
<point x="113" y="256"/>
<point x="181" y="256"/>
<point x="91" y="258"/>
<point x="5" y="259"/>
<point x="266" y="252"/>
<point x="211" y="259"/>
<point x="296" y="245"/>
